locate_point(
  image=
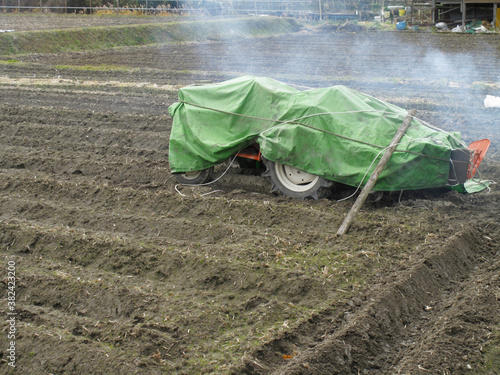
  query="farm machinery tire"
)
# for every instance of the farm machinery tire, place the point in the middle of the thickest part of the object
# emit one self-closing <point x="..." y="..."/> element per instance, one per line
<point x="295" y="183"/>
<point x="195" y="177"/>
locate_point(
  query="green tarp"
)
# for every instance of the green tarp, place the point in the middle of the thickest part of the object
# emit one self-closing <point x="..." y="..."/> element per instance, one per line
<point x="336" y="132"/>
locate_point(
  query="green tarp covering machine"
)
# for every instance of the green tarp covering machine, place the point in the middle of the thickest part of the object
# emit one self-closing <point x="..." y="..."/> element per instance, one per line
<point x="336" y="133"/>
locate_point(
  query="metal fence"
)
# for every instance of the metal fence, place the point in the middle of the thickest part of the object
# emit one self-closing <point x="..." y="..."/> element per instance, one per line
<point x="292" y="7"/>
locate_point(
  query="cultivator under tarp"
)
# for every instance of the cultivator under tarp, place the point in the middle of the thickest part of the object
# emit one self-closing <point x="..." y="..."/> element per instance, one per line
<point x="308" y="138"/>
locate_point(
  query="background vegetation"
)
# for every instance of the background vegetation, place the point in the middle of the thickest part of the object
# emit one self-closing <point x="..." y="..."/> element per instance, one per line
<point x="207" y="6"/>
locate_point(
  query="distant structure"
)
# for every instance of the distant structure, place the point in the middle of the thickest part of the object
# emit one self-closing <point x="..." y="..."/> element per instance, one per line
<point x="464" y="11"/>
<point x="452" y="12"/>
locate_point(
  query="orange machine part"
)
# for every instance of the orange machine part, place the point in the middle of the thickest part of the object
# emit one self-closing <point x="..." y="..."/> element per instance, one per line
<point x="250" y="154"/>
<point x="478" y="149"/>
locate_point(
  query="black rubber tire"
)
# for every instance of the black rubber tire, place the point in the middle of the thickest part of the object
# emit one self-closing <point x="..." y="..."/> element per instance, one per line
<point x="195" y="177"/>
<point x="287" y="180"/>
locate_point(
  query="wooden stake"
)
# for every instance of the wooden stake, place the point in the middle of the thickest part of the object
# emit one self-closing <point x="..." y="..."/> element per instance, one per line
<point x="464" y="15"/>
<point x="376" y="173"/>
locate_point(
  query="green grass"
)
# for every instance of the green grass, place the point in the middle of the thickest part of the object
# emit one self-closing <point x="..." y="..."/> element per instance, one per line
<point x="7" y="62"/>
<point x="492" y="354"/>
<point x="100" y="67"/>
<point x="96" y="38"/>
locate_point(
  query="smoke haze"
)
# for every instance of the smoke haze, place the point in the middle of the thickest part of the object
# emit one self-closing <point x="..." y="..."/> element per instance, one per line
<point x="446" y="77"/>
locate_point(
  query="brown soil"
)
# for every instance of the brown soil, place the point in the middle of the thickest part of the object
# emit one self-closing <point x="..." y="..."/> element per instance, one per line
<point x="119" y="273"/>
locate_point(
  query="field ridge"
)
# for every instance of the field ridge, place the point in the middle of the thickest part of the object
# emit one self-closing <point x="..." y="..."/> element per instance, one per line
<point x="98" y="38"/>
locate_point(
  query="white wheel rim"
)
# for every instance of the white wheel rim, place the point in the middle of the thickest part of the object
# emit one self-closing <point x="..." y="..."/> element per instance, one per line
<point x="191" y="175"/>
<point x="295" y="179"/>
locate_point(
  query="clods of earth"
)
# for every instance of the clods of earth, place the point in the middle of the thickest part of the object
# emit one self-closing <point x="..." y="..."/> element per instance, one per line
<point x="118" y="270"/>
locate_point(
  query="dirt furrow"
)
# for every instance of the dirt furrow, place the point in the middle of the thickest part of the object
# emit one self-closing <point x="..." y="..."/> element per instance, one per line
<point x="31" y="115"/>
<point x="104" y="313"/>
<point x="378" y="329"/>
<point x="34" y="146"/>
<point x="89" y="136"/>
<point x="296" y="54"/>
<point x="155" y="105"/>
<point x="141" y="320"/>
<point x="120" y="273"/>
<point x="153" y="213"/>
<point x="123" y="172"/>
<point x="463" y="315"/>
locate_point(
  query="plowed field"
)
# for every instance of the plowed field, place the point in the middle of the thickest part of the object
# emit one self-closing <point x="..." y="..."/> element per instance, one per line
<point x="117" y="272"/>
